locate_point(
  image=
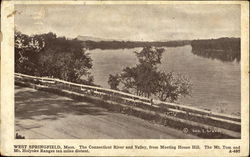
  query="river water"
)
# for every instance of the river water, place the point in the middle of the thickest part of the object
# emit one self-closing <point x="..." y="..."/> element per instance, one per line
<point x="216" y="83"/>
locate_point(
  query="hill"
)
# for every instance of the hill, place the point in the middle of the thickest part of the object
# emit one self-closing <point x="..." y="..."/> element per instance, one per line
<point x="90" y="38"/>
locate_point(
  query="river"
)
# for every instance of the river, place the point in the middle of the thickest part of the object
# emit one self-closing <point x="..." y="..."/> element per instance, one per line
<point x="216" y="83"/>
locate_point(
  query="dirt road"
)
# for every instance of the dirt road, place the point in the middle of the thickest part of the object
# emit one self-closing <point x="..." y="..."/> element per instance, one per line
<point x="45" y="115"/>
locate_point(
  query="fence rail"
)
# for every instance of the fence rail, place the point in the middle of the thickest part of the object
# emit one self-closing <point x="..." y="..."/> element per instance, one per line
<point x="221" y="120"/>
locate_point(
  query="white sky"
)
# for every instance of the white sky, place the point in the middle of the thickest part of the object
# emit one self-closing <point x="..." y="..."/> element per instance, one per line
<point x="131" y="22"/>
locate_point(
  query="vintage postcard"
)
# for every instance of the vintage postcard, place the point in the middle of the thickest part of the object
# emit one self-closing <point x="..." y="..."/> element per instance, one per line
<point x="124" y="78"/>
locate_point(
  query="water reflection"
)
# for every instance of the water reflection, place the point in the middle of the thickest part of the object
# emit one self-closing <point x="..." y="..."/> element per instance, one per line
<point x="222" y="55"/>
<point x="214" y="82"/>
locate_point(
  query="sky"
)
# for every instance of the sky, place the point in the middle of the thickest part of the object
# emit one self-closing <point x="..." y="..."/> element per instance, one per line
<point x="131" y="22"/>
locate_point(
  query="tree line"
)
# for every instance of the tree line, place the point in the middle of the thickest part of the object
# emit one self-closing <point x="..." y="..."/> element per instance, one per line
<point x="224" y="49"/>
<point x="131" y="44"/>
<point x="52" y="56"/>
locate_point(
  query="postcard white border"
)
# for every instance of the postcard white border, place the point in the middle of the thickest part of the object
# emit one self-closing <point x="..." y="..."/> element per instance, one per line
<point x="7" y="93"/>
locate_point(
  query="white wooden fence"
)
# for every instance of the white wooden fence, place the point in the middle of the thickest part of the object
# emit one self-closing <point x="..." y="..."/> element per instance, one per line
<point x="130" y="99"/>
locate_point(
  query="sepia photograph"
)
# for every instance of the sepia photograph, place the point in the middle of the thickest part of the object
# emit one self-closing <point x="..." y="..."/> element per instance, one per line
<point x="124" y="78"/>
<point x="127" y="71"/>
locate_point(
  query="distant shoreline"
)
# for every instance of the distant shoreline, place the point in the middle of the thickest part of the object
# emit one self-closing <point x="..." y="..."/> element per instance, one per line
<point x="225" y="49"/>
<point x="220" y="44"/>
<point x="131" y="44"/>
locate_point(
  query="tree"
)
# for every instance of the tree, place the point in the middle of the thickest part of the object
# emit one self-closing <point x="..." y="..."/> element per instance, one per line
<point x="171" y="86"/>
<point x="145" y="80"/>
<point x="150" y="55"/>
<point x="52" y="56"/>
<point x="69" y="60"/>
<point x="26" y="50"/>
<point x="114" y="81"/>
<point x="143" y="77"/>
